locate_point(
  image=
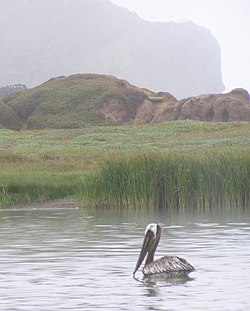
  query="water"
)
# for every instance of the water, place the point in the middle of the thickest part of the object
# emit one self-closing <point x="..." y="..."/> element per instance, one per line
<point x="76" y="259"/>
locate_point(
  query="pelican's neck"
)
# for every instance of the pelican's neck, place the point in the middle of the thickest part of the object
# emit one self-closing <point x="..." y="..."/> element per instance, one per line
<point x="152" y="249"/>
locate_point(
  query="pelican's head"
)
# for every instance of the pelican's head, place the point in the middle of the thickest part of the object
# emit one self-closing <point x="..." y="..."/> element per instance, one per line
<point x="151" y="232"/>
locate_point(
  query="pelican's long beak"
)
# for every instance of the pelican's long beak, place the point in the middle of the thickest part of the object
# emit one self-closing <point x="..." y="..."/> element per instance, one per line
<point x="148" y="239"/>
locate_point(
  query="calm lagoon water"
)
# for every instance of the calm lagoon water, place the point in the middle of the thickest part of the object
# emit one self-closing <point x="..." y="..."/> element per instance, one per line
<point x="79" y="259"/>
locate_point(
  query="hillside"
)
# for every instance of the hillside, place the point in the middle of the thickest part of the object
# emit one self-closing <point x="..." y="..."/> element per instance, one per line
<point x="8" y="117"/>
<point x="82" y="100"/>
<point x="73" y="102"/>
<point x="43" y="39"/>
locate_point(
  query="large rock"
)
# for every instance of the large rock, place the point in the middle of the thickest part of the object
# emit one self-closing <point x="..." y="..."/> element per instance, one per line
<point x="152" y="107"/>
<point x="232" y="106"/>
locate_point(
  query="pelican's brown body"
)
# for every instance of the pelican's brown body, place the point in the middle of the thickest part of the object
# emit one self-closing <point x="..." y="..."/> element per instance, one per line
<point x="167" y="264"/>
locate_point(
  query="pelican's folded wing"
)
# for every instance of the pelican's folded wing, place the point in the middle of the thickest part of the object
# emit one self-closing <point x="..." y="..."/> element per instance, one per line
<point x="168" y="264"/>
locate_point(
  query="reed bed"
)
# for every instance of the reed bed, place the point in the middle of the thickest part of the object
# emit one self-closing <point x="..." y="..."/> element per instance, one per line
<point x="170" y="181"/>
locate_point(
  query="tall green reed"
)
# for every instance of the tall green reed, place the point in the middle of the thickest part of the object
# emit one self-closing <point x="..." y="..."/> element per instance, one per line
<point x="170" y="181"/>
<point x="5" y="198"/>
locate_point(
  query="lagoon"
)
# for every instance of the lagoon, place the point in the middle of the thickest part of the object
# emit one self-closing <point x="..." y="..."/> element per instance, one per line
<point x="83" y="259"/>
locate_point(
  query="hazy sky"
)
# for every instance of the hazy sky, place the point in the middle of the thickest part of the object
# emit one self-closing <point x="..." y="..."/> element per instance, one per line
<point x="228" y="20"/>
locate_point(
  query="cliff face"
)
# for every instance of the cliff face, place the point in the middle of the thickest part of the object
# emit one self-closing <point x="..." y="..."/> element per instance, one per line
<point x="42" y="39"/>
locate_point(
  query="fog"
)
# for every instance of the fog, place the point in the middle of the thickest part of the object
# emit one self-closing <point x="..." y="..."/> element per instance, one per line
<point x="228" y="20"/>
<point x="45" y="39"/>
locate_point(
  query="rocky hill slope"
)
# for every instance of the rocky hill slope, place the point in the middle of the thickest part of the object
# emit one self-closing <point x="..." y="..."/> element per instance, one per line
<point x="90" y="99"/>
<point x="43" y="39"/>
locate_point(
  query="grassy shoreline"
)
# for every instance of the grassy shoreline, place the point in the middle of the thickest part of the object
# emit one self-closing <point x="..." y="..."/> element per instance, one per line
<point x="40" y="166"/>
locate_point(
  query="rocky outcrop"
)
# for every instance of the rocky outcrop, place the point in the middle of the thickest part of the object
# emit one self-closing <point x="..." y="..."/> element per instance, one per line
<point x="153" y="106"/>
<point x="145" y="113"/>
<point x="232" y="106"/>
<point x="115" y="110"/>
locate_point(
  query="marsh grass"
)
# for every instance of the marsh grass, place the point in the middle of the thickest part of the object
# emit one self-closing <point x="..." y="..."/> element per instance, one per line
<point x="38" y="187"/>
<point x="165" y="165"/>
<point x="171" y="181"/>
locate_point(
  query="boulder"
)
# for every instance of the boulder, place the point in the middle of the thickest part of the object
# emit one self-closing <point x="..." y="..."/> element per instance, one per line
<point x="153" y="106"/>
<point x="114" y="111"/>
<point x="232" y="106"/>
<point x="145" y="113"/>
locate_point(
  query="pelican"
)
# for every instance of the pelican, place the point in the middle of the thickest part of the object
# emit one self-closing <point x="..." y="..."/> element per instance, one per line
<point x="173" y="265"/>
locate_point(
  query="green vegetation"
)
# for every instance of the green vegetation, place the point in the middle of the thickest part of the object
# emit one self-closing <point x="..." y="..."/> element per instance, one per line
<point x="171" y="181"/>
<point x="175" y="164"/>
<point x="68" y="102"/>
<point x="8" y="118"/>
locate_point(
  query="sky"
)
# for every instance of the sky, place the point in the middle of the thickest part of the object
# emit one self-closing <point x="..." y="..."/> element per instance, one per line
<point x="228" y="21"/>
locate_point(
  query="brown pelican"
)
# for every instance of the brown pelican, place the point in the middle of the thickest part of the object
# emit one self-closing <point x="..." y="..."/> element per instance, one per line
<point x="168" y="264"/>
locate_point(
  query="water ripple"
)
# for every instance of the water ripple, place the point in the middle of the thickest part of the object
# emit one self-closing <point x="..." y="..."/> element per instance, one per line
<point x="83" y="260"/>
